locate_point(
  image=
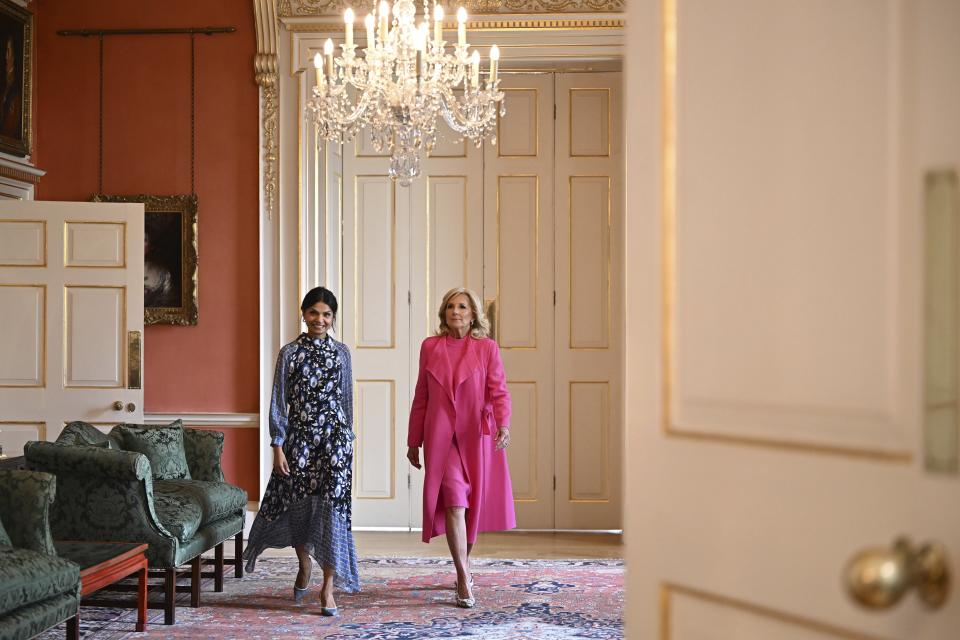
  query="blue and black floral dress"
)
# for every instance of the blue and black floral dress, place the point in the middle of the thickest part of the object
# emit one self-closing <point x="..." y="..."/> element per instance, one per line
<point x="311" y="416"/>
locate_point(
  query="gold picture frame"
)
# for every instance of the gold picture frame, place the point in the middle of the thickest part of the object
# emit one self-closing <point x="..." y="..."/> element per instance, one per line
<point x="16" y="79"/>
<point x="170" y="257"/>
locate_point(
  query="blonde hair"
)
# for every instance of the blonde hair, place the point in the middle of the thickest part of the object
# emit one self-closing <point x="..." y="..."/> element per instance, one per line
<point x="479" y="327"/>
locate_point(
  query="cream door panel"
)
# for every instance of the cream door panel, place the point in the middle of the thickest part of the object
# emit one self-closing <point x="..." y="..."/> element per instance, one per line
<point x="450" y="144"/>
<point x="588" y="228"/>
<point x="71" y="287"/>
<point x="775" y="311"/>
<point x="93" y="345"/>
<point x="518" y="276"/>
<point x="23" y="243"/>
<point x="518" y="136"/>
<point x="95" y="244"/>
<point x="446" y="251"/>
<point x="14" y="435"/>
<point x="374" y="321"/>
<point x="375" y="418"/>
<point x="22" y="343"/>
<point x="691" y="615"/>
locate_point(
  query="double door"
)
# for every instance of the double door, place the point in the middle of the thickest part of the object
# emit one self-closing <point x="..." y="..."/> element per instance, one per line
<point x="530" y="223"/>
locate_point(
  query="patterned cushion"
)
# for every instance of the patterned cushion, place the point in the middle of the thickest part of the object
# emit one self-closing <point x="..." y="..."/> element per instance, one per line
<point x="83" y="433"/>
<point x="163" y="446"/>
<point x="180" y="513"/>
<point x="27" y="576"/>
<point x="204" y="448"/>
<point x="216" y="499"/>
<point x="25" y="498"/>
<point x="4" y="538"/>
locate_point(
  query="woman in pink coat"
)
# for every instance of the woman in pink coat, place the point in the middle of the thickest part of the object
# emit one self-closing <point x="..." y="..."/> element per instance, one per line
<point x="460" y="416"/>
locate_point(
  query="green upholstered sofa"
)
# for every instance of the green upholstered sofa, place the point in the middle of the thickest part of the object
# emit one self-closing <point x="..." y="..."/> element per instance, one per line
<point x="38" y="590"/>
<point x="108" y="492"/>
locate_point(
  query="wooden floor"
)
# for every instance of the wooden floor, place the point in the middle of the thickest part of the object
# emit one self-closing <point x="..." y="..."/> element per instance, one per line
<point x="511" y="544"/>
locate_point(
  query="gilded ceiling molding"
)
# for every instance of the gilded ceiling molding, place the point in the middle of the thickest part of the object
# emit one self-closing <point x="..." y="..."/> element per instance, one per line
<point x="267" y="74"/>
<point x="300" y="8"/>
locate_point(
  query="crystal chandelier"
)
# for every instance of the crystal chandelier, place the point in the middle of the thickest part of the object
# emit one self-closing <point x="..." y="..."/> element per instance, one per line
<point x="404" y="82"/>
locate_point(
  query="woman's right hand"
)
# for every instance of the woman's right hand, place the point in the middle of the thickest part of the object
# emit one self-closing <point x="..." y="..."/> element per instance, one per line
<point x="413" y="455"/>
<point x="280" y="462"/>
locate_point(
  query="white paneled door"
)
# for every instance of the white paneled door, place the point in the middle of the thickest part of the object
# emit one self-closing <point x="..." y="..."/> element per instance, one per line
<point x="588" y="232"/>
<point x="532" y="224"/>
<point x="71" y="327"/>
<point x="519" y="279"/>
<point x="791" y="300"/>
<point x="374" y="321"/>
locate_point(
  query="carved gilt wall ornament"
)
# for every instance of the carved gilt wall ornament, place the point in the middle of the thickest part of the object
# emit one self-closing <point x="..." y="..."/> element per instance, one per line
<point x="266" y="69"/>
<point x="299" y="8"/>
<point x="267" y="78"/>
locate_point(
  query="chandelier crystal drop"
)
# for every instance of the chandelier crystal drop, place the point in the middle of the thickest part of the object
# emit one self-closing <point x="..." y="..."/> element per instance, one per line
<point x="403" y="83"/>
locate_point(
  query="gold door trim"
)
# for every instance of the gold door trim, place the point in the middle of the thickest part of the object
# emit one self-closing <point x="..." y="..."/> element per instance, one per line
<point x="43" y="224"/>
<point x="668" y="216"/>
<point x="536" y="285"/>
<point x="122" y="325"/>
<point x="570" y="153"/>
<point x="43" y="338"/>
<point x="609" y="261"/>
<point x="536" y="113"/>
<point x="534" y="495"/>
<point x="668" y="590"/>
<point x="393" y="263"/>
<point x="605" y="440"/>
<point x="41" y="426"/>
<point x="66" y="230"/>
<point x="431" y="318"/>
<point x="357" y="452"/>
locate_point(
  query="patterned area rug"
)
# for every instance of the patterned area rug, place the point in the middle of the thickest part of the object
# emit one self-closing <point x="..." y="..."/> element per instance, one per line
<point x="401" y="599"/>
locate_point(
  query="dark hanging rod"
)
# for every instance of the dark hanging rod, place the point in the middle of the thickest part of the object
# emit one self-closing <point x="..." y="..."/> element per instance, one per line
<point x="86" y="33"/>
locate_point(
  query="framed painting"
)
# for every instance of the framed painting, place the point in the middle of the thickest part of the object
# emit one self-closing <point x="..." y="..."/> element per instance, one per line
<point x="169" y="257"/>
<point x="16" y="88"/>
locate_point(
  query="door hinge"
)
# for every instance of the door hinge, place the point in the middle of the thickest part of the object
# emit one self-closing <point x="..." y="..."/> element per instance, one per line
<point x="408" y="298"/>
<point x="554" y="298"/>
<point x="554" y="111"/>
<point x="409" y="482"/>
<point x="554" y="483"/>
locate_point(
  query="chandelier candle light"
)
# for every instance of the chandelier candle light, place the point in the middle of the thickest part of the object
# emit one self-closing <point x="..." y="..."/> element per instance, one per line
<point x="403" y="84"/>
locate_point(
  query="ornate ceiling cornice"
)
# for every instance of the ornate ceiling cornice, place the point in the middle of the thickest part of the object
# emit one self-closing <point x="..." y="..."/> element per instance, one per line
<point x="302" y="8"/>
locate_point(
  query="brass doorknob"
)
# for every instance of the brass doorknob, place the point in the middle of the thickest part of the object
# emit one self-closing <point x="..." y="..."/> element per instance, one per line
<point x="131" y="407"/>
<point x="878" y="578"/>
<point x="117" y="406"/>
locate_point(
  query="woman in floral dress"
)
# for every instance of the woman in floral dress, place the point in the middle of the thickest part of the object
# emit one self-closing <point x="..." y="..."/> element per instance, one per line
<point x="306" y="504"/>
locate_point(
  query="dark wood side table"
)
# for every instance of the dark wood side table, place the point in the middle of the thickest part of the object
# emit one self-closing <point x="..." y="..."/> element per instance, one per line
<point x="102" y="564"/>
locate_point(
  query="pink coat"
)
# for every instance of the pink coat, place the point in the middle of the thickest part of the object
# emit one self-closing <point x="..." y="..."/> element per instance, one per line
<point x="471" y="401"/>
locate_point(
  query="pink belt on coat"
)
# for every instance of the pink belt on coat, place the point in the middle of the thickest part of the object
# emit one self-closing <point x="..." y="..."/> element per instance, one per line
<point x="488" y="425"/>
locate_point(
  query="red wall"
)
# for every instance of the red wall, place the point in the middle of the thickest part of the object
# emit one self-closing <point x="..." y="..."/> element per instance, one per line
<point x="213" y="366"/>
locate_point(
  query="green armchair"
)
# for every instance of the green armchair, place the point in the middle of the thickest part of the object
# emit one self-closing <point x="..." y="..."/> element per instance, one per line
<point x="38" y="590"/>
<point x="132" y="485"/>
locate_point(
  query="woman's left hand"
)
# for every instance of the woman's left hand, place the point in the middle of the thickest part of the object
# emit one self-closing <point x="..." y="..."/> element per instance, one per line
<point x="503" y="437"/>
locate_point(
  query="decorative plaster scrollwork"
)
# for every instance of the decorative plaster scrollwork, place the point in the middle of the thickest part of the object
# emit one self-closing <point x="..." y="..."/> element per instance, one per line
<point x="270" y="125"/>
<point x="266" y="69"/>
<point x="296" y="8"/>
